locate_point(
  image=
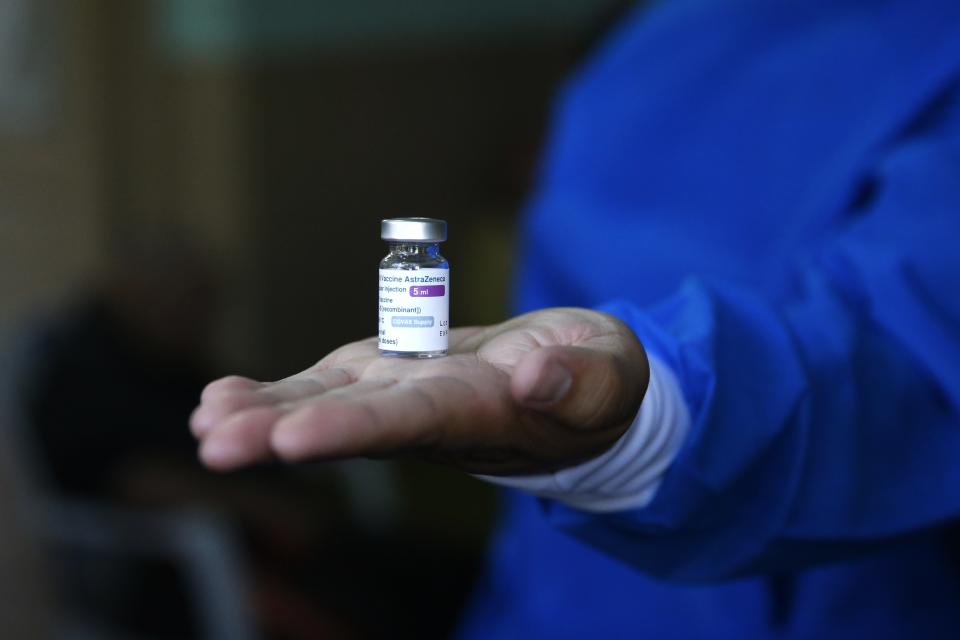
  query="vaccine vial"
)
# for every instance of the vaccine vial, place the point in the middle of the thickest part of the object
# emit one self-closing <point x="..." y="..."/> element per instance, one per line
<point x="414" y="289"/>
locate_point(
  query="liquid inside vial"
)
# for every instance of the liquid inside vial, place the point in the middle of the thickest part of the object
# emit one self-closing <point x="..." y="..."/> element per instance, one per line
<point x="414" y="290"/>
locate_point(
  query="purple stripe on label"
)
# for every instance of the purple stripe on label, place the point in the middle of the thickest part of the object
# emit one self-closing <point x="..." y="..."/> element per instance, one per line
<point x="429" y="291"/>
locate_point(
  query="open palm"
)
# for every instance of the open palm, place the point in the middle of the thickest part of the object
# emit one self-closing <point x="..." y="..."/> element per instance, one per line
<point x="536" y="393"/>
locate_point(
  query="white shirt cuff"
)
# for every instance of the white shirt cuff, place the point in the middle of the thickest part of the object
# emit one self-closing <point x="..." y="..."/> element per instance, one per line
<point x="627" y="475"/>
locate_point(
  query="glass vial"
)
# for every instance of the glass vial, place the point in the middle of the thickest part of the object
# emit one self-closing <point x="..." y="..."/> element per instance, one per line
<point x="414" y="289"/>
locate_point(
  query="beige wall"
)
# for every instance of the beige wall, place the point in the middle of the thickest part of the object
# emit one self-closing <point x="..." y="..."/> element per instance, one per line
<point x="281" y="167"/>
<point x="50" y="181"/>
<point x="132" y="141"/>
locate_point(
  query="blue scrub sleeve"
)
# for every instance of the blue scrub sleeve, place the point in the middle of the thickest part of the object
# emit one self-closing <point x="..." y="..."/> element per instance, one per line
<point x="825" y="421"/>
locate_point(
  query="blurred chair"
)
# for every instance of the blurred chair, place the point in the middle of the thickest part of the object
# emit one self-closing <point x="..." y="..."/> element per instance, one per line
<point x="25" y="604"/>
<point x="199" y="544"/>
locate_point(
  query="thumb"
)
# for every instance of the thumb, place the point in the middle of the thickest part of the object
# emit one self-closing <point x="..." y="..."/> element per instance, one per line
<point x="581" y="386"/>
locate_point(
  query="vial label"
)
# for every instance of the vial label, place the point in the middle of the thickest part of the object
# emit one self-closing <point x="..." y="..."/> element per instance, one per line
<point x="414" y="309"/>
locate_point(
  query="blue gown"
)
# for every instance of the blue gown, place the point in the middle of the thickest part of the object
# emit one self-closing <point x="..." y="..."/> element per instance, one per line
<point x="768" y="192"/>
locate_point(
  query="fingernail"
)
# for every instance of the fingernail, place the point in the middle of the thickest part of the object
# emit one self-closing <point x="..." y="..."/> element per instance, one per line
<point x="218" y="453"/>
<point x="200" y="422"/>
<point x="553" y="384"/>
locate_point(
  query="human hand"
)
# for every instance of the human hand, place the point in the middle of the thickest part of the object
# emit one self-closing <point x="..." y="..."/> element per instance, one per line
<point x="537" y="393"/>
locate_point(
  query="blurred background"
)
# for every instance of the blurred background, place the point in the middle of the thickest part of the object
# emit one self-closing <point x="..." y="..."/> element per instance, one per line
<point x="187" y="188"/>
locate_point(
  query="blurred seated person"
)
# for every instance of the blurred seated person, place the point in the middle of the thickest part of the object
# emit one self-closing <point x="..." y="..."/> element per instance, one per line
<point x="110" y="382"/>
<point x="86" y="372"/>
<point x="126" y="343"/>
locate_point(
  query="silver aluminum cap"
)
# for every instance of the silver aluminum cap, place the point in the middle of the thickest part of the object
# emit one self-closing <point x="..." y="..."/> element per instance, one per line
<point x="413" y="230"/>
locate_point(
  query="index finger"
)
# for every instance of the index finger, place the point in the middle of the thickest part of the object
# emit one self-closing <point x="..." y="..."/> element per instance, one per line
<point x="408" y="415"/>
